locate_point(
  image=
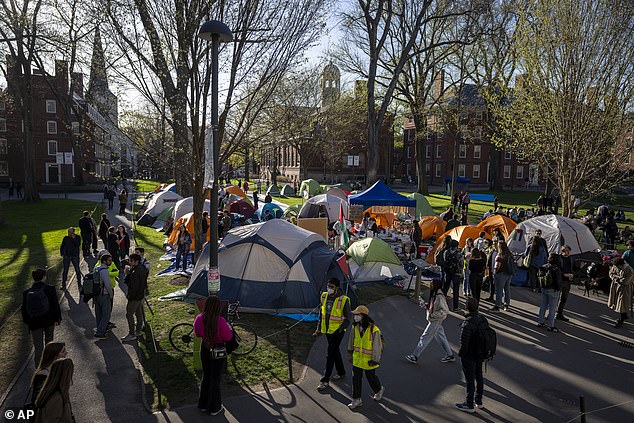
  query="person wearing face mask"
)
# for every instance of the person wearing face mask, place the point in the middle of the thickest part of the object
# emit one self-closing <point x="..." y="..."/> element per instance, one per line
<point x="365" y="346"/>
<point x="566" y="279"/>
<point x="334" y="319"/>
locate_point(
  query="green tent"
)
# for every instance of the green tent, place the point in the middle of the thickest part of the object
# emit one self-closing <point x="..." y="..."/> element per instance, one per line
<point x="370" y="250"/>
<point x="291" y="211"/>
<point x="274" y="191"/>
<point x="310" y="186"/>
<point x="288" y="191"/>
<point x="423" y="208"/>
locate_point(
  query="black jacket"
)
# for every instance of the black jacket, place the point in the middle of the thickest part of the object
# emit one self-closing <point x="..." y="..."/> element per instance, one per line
<point x="104" y="225"/>
<point x="70" y="246"/>
<point x="85" y="225"/>
<point x="469" y="340"/>
<point x="54" y="314"/>
<point x="113" y="243"/>
<point x="137" y="282"/>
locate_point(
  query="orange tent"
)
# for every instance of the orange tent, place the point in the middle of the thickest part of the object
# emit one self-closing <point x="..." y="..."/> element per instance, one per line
<point x="382" y="219"/>
<point x="188" y="221"/>
<point x="432" y="226"/>
<point x="505" y="224"/>
<point x="460" y="234"/>
<point x="235" y="191"/>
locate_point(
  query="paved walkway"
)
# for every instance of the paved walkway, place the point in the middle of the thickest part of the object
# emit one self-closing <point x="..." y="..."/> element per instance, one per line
<point x="107" y="382"/>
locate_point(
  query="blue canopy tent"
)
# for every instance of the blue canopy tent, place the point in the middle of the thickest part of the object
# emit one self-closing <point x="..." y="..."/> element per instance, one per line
<point x="380" y="194"/>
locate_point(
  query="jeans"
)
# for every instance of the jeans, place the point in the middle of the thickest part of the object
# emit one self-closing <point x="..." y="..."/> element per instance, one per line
<point x="41" y="337"/>
<point x="357" y="380"/>
<point x="134" y="308"/>
<point x="103" y="310"/>
<point x="434" y="330"/>
<point x="466" y="288"/>
<point x="453" y="281"/>
<point x="181" y="254"/>
<point x="565" y="290"/>
<point x="549" y="300"/>
<point x="67" y="260"/>
<point x="475" y="284"/>
<point x="210" y="398"/>
<point x="502" y="283"/>
<point x="333" y="357"/>
<point x="472" y="369"/>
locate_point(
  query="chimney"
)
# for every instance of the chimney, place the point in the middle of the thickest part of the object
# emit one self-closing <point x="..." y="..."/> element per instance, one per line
<point x="77" y="83"/>
<point x="438" y="86"/>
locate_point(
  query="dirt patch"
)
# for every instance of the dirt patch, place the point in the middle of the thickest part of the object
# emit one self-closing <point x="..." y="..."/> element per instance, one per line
<point x="179" y="281"/>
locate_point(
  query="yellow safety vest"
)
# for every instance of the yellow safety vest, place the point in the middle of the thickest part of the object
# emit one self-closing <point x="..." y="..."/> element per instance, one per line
<point x="363" y="347"/>
<point x="336" y="314"/>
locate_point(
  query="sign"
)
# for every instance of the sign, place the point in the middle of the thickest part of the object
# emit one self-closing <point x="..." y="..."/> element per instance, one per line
<point x="59" y="158"/>
<point x="68" y="158"/>
<point x="355" y="212"/>
<point x="213" y="280"/>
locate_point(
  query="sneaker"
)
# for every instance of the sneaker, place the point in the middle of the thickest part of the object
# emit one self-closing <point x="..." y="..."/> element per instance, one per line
<point x="356" y="403"/>
<point x="448" y="359"/>
<point x="129" y="337"/>
<point x="411" y="358"/>
<point x="553" y="329"/>
<point x="215" y="413"/>
<point x="465" y="407"/>
<point x="562" y="318"/>
<point x="495" y="308"/>
<point x="541" y="325"/>
<point x="337" y="377"/>
<point x="323" y="386"/>
<point x="379" y="395"/>
<point x="479" y="406"/>
<point x="506" y="307"/>
<point x="100" y="336"/>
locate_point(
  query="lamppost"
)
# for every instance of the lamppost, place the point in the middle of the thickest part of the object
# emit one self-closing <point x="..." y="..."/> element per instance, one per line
<point x="216" y="32"/>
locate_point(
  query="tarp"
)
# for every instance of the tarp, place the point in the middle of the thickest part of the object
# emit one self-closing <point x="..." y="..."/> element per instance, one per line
<point x="338" y="192"/>
<point x="186" y="205"/>
<point x="372" y="259"/>
<point x="242" y="207"/>
<point x="505" y="224"/>
<point x="273" y="191"/>
<point x="460" y="234"/>
<point x="235" y="190"/>
<point x="557" y="231"/>
<point x="380" y="194"/>
<point x="432" y="226"/>
<point x="188" y="221"/>
<point x="270" y="266"/>
<point x="310" y="186"/>
<point x="423" y="208"/>
<point x="324" y="202"/>
<point x="288" y="191"/>
<point x="482" y="197"/>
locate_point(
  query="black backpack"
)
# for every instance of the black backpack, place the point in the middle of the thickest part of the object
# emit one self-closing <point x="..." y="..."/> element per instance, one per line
<point x="37" y="304"/>
<point x="91" y="287"/>
<point x="487" y="341"/>
<point x="451" y="262"/>
<point x="546" y="277"/>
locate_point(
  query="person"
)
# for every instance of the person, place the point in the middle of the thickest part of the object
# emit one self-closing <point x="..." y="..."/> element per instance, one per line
<point x="105" y="191"/>
<point x="497" y="234"/>
<point x="69" y="250"/>
<point x="566" y="281"/>
<point x="95" y="236"/>
<point x="537" y="251"/>
<point x="364" y="352"/>
<point x="417" y="236"/>
<point x="111" y="195"/>
<point x="205" y="225"/>
<point x="113" y="274"/>
<point x="239" y="183"/>
<point x="550" y="283"/>
<point x="453" y="269"/>
<point x="258" y="185"/>
<point x="496" y="202"/>
<point x="477" y="265"/>
<point x="18" y="189"/>
<point x="52" y="351"/>
<point x="245" y="186"/>
<point x="490" y="250"/>
<point x="610" y="232"/>
<point x="183" y="244"/>
<point x="502" y="276"/>
<point x="479" y="242"/>
<point x="488" y="214"/>
<point x="103" y="299"/>
<point x="215" y="332"/>
<point x="123" y="200"/>
<point x="255" y="199"/>
<point x="628" y="255"/>
<point x="466" y="256"/>
<point x="334" y="319"/>
<point x="439" y="259"/>
<point x="144" y="261"/>
<point x="267" y="215"/>
<point x="626" y="234"/>
<point x="136" y="279"/>
<point x="85" y="226"/>
<point x="268" y="198"/>
<point x="620" y="298"/>
<point x="466" y="199"/>
<point x="452" y="222"/>
<point x="11" y="188"/>
<point x="41" y="312"/>
<point x="464" y="218"/>
<point x="226" y="223"/>
<point x="470" y="357"/>
<point x="124" y="242"/>
<point x="437" y="310"/>
<point x="53" y="403"/>
<point x="113" y="245"/>
<point x="455" y="200"/>
<point x="104" y="224"/>
<point x="372" y="226"/>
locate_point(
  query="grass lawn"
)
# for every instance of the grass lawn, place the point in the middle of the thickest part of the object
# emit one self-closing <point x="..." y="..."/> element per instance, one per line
<point x="145" y="185"/>
<point x="30" y="238"/>
<point x="291" y="201"/>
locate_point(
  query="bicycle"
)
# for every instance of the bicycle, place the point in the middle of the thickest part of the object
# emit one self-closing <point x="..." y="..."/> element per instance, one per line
<point x="181" y="336"/>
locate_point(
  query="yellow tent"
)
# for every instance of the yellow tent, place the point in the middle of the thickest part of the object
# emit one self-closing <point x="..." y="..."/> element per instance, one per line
<point x="188" y="221"/>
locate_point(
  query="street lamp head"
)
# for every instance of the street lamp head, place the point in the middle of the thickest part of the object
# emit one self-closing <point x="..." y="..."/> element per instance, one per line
<point x="211" y="28"/>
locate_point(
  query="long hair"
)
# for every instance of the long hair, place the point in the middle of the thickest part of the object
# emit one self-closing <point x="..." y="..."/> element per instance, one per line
<point x="211" y="312"/>
<point x="503" y="249"/>
<point x="433" y="291"/>
<point x="49" y="355"/>
<point x="59" y="379"/>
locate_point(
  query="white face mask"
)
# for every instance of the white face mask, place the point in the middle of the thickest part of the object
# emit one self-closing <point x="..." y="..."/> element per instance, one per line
<point x="357" y="318"/>
<point x="330" y="291"/>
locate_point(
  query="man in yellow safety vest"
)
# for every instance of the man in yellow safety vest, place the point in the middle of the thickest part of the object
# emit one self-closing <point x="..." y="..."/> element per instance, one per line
<point x="334" y="319"/>
<point x="364" y="351"/>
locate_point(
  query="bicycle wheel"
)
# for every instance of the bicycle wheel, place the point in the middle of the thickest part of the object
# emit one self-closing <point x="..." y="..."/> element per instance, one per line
<point x="246" y="337"/>
<point x="182" y="337"/>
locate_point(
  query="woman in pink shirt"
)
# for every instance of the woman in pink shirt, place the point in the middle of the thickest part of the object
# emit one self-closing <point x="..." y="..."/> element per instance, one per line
<point x="214" y="331"/>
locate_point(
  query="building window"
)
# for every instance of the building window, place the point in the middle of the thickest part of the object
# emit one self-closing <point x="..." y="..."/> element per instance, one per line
<point x="3" y="106"/>
<point x="507" y="155"/>
<point x="428" y="151"/>
<point x="438" y="170"/>
<point x="52" y="148"/>
<point x="75" y="128"/>
<point x="3" y="125"/>
<point x="3" y="146"/>
<point x="476" y="171"/>
<point x="438" y="151"/>
<point x="461" y="170"/>
<point x="51" y="127"/>
<point x="51" y="106"/>
<point x="477" y="151"/>
<point x="519" y="172"/>
<point x="427" y="169"/>
<point x="4" y="169"/>
<point x="507" y="172"/>
<point x="462" y="152"/>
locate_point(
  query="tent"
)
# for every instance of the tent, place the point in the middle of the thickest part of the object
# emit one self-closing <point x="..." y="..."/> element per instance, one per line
<point x="158" y="203"/>
<point x="291" y="211"/>
<point x="275" y="210"/>
<point x="310" y="186"/>
<point x="234" y="190"/>
<point x="557" y="231"/>
<point x="432" y="226"/>
<point x="324" y="202"/>
<point x="344" y="186"/>
<point x="242" y="207"/>
<point x="273" y="191"/>
<point x="380" y="194"/>
<point x="505" y="224"/>
<point x="372" y="259"/>
<point x="382" y="219"/>
<point x="188" y="221"/>
<point x="338" y="192"/>
<point x="163" y="218"/>
<point x="186" y="205"/>
<point x="460" y="234"/>
<point x="423" y="208"/>
<point x="272" y="266"/>
<point x="288" y="191"/>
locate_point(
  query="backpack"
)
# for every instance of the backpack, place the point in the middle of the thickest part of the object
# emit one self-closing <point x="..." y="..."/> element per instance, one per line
<point x="511" y="265"/>
<point x="451" y="264"/>
<point x="382" y="338"/>
<point x="440" y="258"/>
<point x="545" y="277"/>
<point x="487" y="341"/>
<point x="92" y="284"/>
<point x="37" y="304"/>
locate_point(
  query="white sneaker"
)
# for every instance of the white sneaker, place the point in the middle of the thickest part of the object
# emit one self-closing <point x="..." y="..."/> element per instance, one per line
<point x="322" y="386"/>
<point x="379" y="395"/>
<point x="129" y="337"/>
<point x="215" y="413"/>
<point x="356" y="403"/>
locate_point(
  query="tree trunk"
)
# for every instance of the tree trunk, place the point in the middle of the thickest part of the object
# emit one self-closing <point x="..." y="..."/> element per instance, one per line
<point x="181" y="142"/>
<point x="372" y="163"/>
<point x="420" y="154"/>
<point x="247" y="157"/>
<point x="495" y="184"/>
<point x="30" y="186"/>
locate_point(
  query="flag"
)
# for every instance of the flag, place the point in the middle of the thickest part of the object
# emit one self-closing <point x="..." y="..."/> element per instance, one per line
<point x="345" y="238"/>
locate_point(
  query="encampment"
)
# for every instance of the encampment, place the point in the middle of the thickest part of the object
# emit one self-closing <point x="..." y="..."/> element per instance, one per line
<point x="273" y="191"/>
<point x="432" y="227"/>
<point x="460" y="234"/>
<point x="310" y="186"/>
<point x="505" y="224"/>
<point x="287" y="191"/>
<point x="234" y="190"/>
<point x="423" y="208"/>
<point x="372" y="259"/>
<point x="242" y="207"/>
<point x="186" y="205"/>
<point x="274" y="210"/>
<point x="338" y="192"/>
<point x="272" y="266"/>
<point x="382" y="219"/>
<point x="158" y="203"/>
<point x="324" y="203"/>
<point x="188" y="221"/>
<point x="380" y="194"/>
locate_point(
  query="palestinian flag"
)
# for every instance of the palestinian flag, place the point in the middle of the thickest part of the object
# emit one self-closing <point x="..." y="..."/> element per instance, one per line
<point x="345" y="237"/>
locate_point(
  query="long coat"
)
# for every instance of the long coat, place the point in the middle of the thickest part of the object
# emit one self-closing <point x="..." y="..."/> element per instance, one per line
<point x="620" y="299"/>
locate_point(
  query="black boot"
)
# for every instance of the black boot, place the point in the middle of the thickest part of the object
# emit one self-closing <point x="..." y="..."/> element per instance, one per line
<point x="560" y="316"/>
